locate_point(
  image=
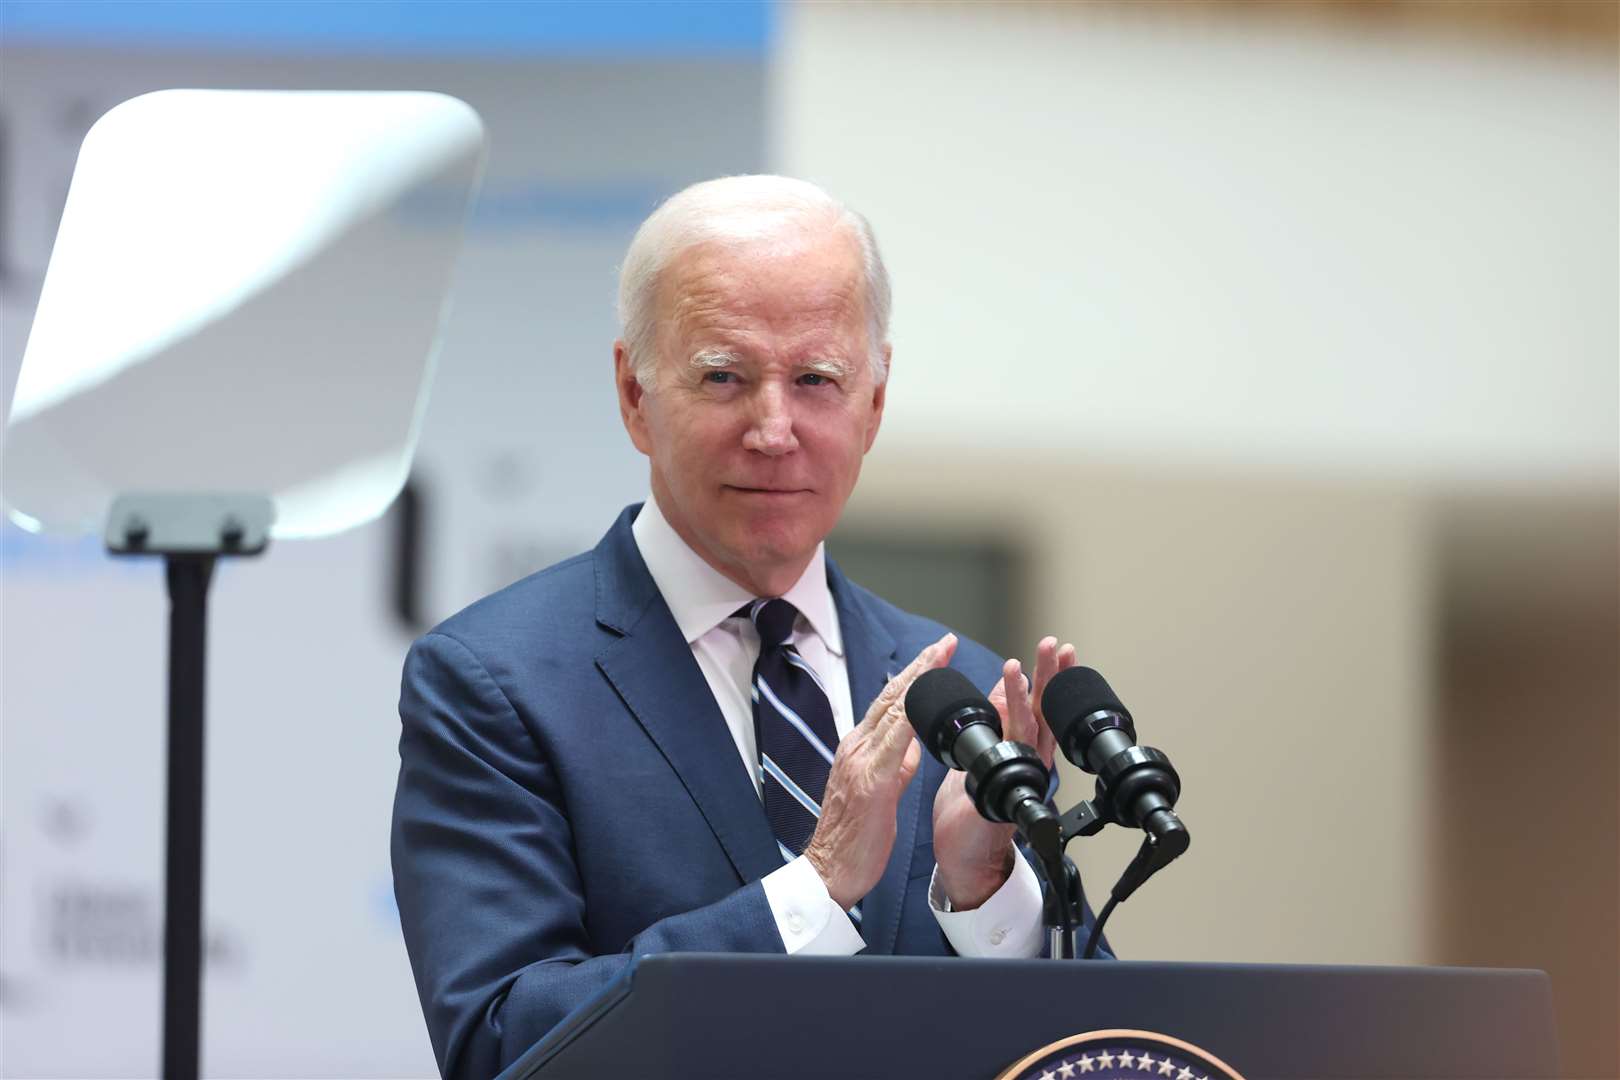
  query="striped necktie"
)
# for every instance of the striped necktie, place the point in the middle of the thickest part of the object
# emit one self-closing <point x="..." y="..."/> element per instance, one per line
<point x="793" y="725"/>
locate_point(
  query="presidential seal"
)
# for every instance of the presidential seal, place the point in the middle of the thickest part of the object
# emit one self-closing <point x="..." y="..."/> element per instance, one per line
<point x="1120" y="1054"/>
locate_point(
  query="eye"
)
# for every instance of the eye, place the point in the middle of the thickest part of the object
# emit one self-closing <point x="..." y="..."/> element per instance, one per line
<point x="719" y="378"/>
<point x="812" y="378"/>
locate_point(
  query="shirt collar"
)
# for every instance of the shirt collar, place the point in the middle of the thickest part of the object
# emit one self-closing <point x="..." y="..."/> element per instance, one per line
<point x="701" y="597"/>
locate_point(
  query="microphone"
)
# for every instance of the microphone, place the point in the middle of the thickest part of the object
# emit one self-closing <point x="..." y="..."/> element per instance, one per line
<point x="1006" y="780"/>
<point x="1095" y="731"/>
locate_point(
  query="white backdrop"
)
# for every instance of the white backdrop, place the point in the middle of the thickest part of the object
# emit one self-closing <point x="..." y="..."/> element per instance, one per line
<point x="1250" y="242"/>
<point x="521" y="461"/>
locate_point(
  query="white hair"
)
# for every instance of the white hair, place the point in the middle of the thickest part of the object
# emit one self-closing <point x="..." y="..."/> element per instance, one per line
<point x="737" y="208"/>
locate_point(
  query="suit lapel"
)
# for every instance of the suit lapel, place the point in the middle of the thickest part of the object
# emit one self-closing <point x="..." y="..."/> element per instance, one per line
<point x="651" y="667"/>
<point x="872" y="657"/>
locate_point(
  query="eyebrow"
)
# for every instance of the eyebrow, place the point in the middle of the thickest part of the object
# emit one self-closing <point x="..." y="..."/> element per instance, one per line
<point x="829" y="367"/>
<point x="709" y="359"/>
<point x="704" y="359"/>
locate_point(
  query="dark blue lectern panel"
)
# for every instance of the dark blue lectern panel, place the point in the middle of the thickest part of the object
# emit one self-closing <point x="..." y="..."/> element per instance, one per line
<point x="711" y="1016"/>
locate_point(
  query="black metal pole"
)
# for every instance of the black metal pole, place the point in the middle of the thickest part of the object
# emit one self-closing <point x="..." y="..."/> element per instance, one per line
<point x="188" y="579"/>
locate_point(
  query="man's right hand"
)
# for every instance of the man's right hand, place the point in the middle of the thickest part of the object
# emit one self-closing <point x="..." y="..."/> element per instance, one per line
<point x="870" y="770"/>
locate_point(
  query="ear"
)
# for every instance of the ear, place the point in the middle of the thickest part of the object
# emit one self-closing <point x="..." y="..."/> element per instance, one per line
<point x="880" y="394"/>
<point x="632" y="398"/>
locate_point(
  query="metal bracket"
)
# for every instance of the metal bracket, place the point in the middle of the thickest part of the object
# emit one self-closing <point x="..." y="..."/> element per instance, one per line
<point x="189" y="524"/>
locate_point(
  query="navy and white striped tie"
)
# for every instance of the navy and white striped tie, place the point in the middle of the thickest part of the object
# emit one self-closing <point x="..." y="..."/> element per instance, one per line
<point x="794" y="723"/>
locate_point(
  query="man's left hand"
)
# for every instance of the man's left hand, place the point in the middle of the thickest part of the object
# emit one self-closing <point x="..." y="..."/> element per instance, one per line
<point x="975" y="856"/>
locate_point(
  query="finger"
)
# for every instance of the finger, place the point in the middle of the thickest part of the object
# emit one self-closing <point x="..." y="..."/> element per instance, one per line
<point x="936" y="655"/>
<point x="1063" y="658"/>
<point x="894" y="742"/>
<point x="909" y="763"/>
<point x="1046" y="665"/>
<point x="998" y="698"/>
<point x="1020" y="720"/>
<point x="892" y="730"/>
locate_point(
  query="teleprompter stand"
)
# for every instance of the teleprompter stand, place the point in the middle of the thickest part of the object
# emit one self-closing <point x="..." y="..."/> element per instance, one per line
<point x="190" y="532"/>
<point x="186" y="413"/>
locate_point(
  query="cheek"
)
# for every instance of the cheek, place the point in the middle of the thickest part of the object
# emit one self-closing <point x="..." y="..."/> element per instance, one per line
<point x="838" y="439"/>
<point x="693" y="443"/>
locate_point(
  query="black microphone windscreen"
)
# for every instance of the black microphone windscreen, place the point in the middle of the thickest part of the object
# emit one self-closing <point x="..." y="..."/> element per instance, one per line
<point x="1074" y="694"/>
<point x="936" y="695"/>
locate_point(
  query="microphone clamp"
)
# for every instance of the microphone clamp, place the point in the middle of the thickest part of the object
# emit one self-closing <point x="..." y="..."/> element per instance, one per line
<point x="1004" y="766"/>
<point x="1137" y="782"/>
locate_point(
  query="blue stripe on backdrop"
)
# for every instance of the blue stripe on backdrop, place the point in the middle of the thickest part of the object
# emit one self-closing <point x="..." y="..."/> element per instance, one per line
<point x="416" y="27"/>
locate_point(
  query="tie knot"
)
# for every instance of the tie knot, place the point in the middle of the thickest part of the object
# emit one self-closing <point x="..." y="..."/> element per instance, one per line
<point x="773" y="619"/>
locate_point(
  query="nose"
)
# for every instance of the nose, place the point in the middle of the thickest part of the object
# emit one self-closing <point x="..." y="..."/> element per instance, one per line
<point x="770" y="428"/>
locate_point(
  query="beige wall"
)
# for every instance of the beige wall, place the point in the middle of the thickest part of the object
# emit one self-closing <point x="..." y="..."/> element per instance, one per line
<point x="1396" y="712"/>
<point x="1268" y="633"/>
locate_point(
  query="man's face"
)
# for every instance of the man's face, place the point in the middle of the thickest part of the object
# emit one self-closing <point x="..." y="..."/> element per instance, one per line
<point x="764" y="401"/>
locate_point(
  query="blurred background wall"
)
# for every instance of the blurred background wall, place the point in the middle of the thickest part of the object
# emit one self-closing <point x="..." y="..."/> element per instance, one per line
<point x="1269" y="353"/>
<point x="1279" y="343"/>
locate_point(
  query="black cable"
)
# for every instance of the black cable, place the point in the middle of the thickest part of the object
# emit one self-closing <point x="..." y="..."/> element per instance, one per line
<point x="1096" y="928"/>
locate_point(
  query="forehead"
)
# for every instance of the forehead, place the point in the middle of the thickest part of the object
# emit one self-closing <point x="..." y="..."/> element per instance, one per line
<point x="791" y="284"/>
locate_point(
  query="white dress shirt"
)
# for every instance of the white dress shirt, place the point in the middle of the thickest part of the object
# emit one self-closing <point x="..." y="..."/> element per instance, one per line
<point x="1007" y="925"/>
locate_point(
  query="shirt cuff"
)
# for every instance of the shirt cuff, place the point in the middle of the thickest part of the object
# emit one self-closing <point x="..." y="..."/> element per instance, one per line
<point x="810" y="923"/>
<point x="1008" y="926"/>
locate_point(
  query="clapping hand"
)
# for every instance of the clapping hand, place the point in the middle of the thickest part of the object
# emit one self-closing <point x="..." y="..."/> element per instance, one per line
<point x="870" y="770"/>
<point x="975" y="856"/>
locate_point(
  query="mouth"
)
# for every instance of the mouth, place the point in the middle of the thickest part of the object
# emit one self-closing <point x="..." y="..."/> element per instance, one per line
<point x="767" y="492"/>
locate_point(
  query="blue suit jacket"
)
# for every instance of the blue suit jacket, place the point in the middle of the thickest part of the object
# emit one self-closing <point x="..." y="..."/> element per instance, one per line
<point x="569" y="796"/>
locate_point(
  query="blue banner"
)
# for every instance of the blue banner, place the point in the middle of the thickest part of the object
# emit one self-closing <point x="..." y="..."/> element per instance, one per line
<point x="611" y="28"/>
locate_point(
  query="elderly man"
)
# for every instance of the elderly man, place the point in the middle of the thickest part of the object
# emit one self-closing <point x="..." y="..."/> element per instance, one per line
<point x="692" y="738"/>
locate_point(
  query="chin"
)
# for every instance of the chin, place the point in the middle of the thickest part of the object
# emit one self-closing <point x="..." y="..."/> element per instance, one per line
<point x="766" y="546"/>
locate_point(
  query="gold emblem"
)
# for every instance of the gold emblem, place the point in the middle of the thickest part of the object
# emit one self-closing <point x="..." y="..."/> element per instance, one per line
<point x="1120" y="1054"/>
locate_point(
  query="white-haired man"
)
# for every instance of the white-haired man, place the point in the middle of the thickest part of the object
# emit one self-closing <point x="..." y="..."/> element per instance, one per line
<point x="693" y="737"/>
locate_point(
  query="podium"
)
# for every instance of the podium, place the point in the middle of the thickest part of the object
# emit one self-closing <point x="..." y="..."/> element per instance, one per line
<point x="678" y="1016"/>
